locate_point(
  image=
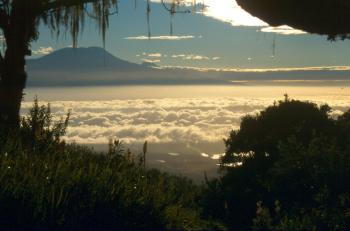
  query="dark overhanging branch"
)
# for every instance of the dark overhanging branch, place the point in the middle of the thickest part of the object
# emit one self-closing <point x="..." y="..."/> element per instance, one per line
<point x="95" y="17"/>
<point x="64" y="3"/>
<point x="172" y="9"/>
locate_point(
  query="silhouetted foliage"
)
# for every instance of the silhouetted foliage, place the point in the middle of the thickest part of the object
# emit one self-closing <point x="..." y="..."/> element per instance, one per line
<point x="275" y="178"/>
<point x="294" y="154"/>
<point x="311" y="187"/>
<point x="47" y="184"/>
<point x="261" y="133"/>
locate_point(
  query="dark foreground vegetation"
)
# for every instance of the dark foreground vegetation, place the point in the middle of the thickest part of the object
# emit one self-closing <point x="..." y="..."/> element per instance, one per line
<point x="287" y="168"/>
<point x="47" y="184"/>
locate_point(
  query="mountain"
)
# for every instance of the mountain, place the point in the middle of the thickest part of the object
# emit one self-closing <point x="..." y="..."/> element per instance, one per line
<point x="92" y="58"/>
<point x="87" y="66"/>
<point x="95" y="66"/>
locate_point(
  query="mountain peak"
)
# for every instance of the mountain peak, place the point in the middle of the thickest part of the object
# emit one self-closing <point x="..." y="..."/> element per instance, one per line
<point x="82" y="58"/>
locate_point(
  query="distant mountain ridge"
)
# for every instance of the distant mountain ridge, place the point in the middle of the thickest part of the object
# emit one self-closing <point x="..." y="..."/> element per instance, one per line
<point x="80" y="59"/>
<point x="95" y="66"/>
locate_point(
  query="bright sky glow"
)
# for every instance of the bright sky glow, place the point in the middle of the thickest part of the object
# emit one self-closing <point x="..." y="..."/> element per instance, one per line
<point x="229" y="11"/>
<point x="219" y="36"/>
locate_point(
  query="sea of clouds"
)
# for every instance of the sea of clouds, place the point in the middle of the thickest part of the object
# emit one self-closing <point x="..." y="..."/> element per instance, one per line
<point x="169" y="120"/>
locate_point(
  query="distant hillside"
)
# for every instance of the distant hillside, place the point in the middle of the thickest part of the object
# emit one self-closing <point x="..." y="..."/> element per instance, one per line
<point x="95" y="66"/>
<point x="92" y="58"/>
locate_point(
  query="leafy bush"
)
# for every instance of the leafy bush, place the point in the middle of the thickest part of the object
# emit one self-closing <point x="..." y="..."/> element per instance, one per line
<point x="47" y="184"/>
<point x="312" y="183"/>
<point x="295" y="153"/>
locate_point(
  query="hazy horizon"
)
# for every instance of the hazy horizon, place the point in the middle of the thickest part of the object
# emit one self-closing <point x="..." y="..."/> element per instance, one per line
<point x="180" y="123"/>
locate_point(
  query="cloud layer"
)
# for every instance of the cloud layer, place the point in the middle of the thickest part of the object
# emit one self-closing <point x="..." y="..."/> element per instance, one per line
<point x="43" y="51"/>
<point x="189" y="120"/>
<point x="161" y="37"/>
<point x="193" y="57"/>
<point x="284" y="30"/>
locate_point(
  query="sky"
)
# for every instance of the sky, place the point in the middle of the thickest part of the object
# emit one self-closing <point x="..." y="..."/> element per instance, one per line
<point x="221" y="35"/>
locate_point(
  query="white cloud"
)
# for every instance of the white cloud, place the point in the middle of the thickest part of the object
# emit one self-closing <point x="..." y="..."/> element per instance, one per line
<point x="161" y="37"/>
<point x="229" y="11"/>
<point x="284" y="30"/>
<point x="196" y="57"/>
<point x="151" y="60"/>
<point x="157" y="55"/>
<point x="43" y="51"/>
<point x="151" y="55"/>
<point x="204" y="154"/>
<point x="159" y="121"/>
<point x="167" y="120"/>
<point x="279" y="69"/>
<point x="193" y="57"/>
<point x="217" y="156"/>
<point x="178" y="56"/>
<point x="173" y="154"/>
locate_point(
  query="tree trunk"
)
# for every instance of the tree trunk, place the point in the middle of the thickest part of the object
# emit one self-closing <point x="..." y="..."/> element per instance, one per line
<point x="11" y="91"/>
<point x="12" y="83"/>
<point x="18" y="31"/>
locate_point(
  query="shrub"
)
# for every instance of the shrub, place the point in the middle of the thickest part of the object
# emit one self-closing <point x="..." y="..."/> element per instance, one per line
<point x="47" y="184"/>
<point x="293" y="152"/>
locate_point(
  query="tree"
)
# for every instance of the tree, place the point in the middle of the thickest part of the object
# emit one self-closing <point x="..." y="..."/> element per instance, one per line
<point x="309" y="184"/>
<point x="261" y="133"/>
<point x="19" y="20"/>
<point x="291" y="152"/>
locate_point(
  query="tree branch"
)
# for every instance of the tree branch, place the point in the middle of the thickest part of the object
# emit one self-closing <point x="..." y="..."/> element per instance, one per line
<point x="64" y="3"/>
